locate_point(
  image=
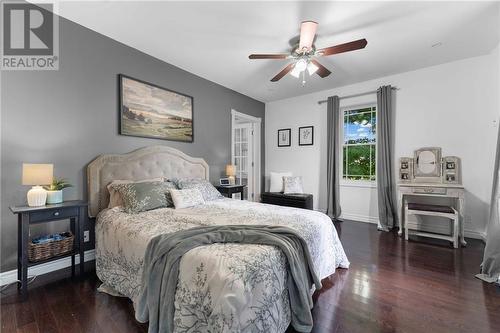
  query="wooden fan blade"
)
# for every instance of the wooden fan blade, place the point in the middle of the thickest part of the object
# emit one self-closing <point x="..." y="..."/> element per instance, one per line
<point x="284" y="72"/>
<point x="322" y="70"/>
<point x="268" y="56"/>
<point x="307" y="33"/>
<point x="341" y="48"/>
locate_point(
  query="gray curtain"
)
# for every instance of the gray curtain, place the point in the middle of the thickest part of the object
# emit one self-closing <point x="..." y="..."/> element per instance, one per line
<point x="333" y="155"/>
<point x="490" y="268"/>
<point x="385" y="176"/>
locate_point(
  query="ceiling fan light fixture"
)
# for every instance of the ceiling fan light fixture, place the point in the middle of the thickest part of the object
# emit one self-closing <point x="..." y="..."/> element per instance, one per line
<point x="301" y="65"/>
<point x="312" y="68"/>
<point x="302" y="57"/>
<point x="295" y="72"/>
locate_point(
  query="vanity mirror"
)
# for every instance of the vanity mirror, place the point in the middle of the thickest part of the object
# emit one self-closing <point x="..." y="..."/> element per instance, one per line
<point x="427" y="165"/>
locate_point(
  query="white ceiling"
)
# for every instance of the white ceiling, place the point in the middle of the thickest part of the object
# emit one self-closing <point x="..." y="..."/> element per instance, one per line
<point x="213" y="39"/>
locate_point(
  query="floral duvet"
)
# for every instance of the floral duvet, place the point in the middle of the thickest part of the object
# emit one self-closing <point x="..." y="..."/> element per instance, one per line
<point x="222" y="287"/>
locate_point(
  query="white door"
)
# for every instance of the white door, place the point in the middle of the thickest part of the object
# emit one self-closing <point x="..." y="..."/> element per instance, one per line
<point x="245" y="153"/>
<point x="243" y="157"/>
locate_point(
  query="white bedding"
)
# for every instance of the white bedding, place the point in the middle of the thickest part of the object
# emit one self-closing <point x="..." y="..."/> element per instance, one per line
<point x="222" y="287"/>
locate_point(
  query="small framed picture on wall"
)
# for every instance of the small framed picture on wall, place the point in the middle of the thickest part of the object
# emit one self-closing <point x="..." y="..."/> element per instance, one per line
<point x="306" y="136"/>
<point x="284" y="136"/>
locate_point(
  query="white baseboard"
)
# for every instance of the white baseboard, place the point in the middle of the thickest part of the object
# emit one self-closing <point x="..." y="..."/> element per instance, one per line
<point x="353" y="217"/>
<point x="359" y="218"/>
<point x="371" y="219"/>
<point x="475" y="234"/>
<point x="11" y="276"/>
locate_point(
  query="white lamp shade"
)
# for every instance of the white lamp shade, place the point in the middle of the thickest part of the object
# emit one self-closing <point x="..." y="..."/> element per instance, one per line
<point x="37" y="174"/>
<point x="230" y="170"/>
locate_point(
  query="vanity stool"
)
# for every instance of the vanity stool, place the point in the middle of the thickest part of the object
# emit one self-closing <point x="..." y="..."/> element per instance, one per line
<point x="433" y="210"/>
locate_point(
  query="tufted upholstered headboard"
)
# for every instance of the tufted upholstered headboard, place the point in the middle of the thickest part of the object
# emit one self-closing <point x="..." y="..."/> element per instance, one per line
<point x="143" y="163"/>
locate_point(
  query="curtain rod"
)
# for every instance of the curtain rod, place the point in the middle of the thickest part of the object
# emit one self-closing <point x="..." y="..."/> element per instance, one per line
<point x="356" y="95"/>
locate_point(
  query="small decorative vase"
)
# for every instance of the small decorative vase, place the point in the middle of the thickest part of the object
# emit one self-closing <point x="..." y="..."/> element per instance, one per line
<point x="54" y="197"/>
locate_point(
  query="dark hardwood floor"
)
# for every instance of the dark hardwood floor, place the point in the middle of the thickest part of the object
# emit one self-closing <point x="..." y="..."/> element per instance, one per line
<point x="391" y="286"/>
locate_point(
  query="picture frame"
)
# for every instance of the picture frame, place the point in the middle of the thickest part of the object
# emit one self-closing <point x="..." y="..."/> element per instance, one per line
<point x="284" y="137"/>
<point x="150" y="111"/>
<point x="224" y="182"/>
<point x="405" y="169"/>
<point x="450" y="178"/>
<point x="306" y="136"/>
<point x="451" y="170"/>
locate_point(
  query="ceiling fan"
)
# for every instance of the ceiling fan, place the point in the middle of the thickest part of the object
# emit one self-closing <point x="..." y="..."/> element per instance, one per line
<point x="304" y="53"/>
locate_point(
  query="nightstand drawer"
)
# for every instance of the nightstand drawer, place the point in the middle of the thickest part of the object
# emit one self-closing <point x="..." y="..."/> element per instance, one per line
<point x="53" y="214"/>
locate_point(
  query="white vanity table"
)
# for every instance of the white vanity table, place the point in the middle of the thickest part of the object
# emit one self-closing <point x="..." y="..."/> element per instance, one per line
<point x="455" y="192"/>
<point x="429" y="175"/>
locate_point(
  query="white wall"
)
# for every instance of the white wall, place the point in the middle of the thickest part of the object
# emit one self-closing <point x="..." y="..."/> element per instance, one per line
<point x="454" y="106"/>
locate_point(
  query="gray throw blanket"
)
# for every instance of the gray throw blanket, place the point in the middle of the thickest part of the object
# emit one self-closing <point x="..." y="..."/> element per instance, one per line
<point x="164" y="252"/>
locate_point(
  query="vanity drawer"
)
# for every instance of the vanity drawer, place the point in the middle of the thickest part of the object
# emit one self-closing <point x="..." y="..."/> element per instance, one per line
<point x="429" y="190"/>
<point x="53" y="214"/>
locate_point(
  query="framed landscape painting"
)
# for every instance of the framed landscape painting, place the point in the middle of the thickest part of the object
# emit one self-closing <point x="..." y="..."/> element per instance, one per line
<point x="150" y="111"/>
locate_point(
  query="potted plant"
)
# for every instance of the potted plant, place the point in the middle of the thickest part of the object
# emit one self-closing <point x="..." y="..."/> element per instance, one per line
<point x="54" y="190"/>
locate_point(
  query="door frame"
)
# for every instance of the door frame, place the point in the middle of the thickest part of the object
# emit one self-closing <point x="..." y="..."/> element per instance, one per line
<point x="256" y="151"/>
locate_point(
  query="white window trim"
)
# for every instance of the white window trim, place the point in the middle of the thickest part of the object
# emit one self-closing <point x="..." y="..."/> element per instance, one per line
<point x="354" y="183"/>
<point x="358" y="183"/>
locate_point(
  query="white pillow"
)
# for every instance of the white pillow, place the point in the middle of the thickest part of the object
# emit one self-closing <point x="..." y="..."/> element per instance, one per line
<point x="187" y="198"/>
<point x="277" y="181"/>
<point x="115" y="198"/>
<point x="293" y="185"/>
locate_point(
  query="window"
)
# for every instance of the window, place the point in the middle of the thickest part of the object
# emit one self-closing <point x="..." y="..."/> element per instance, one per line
<point x="358" y="161"/>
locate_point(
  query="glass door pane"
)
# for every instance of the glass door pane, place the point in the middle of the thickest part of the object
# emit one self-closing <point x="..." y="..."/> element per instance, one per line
<point x="241" y="154"/>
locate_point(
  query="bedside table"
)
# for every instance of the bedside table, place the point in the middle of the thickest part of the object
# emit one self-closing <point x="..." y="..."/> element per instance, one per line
<point x="74" y="210"/>
<point x="228" y="190"/>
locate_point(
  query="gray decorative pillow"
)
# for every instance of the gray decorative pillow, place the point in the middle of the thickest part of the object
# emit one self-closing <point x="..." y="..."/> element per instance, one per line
<point x="140" y="197"/>
<point x="168" y="185"/>
<point x="208" y="191"/>
<point x="187" y="198"/>
<point x="293" y="185"/>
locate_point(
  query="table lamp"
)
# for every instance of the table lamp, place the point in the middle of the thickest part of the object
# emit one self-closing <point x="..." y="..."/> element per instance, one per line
<point x="230" y="173"/>
<point x="37" y="175"/>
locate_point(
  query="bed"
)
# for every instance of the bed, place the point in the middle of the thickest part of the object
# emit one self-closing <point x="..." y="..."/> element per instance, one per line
<point x="221" y="287"/>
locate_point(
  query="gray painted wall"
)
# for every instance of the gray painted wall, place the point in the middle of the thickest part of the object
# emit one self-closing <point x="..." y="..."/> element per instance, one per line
<point x="70" y="116"/>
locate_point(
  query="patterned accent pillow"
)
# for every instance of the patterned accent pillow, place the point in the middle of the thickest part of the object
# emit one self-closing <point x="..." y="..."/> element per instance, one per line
<point x="276" y="181"/>
<point x="140" y="197"/>
<point x="187" y="198"/>
<point x="293" y="185"/>
<point x="169" y="186"/>
<point x="208" y="191"/>
<point x="115" y="198"/>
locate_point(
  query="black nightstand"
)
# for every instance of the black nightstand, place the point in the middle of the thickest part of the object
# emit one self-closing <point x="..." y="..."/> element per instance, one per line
<point x="75" y="211"/>
<point x="229" y="190"/>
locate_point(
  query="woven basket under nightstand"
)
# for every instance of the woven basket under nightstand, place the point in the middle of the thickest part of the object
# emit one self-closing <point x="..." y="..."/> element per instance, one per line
<point x="38" y="252"/>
